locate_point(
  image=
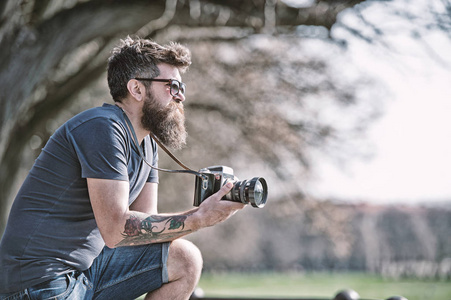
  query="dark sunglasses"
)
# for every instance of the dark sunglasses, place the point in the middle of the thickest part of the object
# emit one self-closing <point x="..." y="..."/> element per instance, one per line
<point x="176" y="87"/>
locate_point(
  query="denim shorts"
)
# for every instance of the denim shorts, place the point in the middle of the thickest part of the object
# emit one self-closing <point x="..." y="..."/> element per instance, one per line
<point x="120" y="273"/>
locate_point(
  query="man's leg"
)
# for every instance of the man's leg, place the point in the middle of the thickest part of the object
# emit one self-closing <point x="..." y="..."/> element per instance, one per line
<point x="128" y="272"/>
<point x="184" y="269"/>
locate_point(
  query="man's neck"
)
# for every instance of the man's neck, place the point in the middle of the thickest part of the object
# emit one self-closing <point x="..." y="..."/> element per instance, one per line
<point x="134" y="115"/>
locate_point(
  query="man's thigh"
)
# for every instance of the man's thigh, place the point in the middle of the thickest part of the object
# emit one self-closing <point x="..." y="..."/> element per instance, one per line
<point x="128" y="272"/>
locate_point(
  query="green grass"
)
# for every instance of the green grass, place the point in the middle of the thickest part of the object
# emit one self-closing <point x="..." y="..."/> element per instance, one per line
<point x="324" y="285"/>
<point x="320" y="285"/>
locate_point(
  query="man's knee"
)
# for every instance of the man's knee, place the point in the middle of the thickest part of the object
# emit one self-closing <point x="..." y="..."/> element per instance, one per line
<point x="184" y="261"/>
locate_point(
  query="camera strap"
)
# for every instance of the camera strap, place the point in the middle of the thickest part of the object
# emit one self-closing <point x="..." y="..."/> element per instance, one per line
<point x="161" y="145"/>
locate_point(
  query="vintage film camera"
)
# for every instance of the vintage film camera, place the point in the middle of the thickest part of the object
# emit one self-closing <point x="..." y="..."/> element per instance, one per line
<point x="254" y="191"/>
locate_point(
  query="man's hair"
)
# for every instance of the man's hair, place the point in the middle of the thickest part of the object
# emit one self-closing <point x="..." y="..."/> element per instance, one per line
<point x="136" y="57"/>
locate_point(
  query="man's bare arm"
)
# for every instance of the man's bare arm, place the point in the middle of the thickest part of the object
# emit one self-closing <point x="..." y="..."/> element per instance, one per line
<point x="120" y="226"/>
<point x="140" y="229"/>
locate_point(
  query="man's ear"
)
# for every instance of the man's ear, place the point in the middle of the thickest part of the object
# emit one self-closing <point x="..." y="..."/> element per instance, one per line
<point x="136" y="89"/>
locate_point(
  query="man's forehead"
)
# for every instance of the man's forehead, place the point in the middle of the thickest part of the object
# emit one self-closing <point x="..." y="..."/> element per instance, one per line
<point x="168" y="71"/>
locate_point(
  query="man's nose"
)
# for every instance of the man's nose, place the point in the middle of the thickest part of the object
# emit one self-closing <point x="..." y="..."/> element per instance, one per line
<point x="179" y="97"/>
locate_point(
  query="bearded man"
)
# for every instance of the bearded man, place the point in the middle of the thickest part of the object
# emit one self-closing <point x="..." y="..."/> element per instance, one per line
<point x="85" y="224"/>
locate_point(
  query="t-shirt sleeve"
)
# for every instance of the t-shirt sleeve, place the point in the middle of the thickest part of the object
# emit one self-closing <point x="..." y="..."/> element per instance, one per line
<point x="101" y="147"/>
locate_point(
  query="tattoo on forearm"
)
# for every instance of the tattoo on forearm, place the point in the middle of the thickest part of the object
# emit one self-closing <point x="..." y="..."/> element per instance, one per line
<point x="152" y="229"/>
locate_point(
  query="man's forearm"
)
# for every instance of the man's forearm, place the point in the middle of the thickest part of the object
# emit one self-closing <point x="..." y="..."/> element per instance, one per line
<point x="143" y="229"/>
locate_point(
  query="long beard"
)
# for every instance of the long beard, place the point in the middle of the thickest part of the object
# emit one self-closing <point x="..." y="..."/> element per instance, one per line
<point x="166" y="123"/>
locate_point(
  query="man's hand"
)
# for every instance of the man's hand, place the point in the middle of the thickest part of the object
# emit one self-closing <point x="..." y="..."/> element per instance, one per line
<point x="213" y="210"/>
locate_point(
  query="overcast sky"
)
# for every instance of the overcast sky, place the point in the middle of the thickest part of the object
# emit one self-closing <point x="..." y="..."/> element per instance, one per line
<point x="412" y="161"/>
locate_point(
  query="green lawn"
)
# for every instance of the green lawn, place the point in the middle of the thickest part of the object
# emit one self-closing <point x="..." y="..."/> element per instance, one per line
<point x="320" y="285"/>
<point x="325" y="285"/>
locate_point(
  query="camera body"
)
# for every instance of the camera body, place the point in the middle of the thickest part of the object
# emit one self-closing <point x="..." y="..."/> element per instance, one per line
<point x="252" y="191"/>
<point x="213" y="179"/>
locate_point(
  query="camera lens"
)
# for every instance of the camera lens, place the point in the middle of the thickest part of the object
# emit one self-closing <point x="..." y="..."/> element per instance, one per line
<point x="257" y="191"/>
<point x="254" y="191"/>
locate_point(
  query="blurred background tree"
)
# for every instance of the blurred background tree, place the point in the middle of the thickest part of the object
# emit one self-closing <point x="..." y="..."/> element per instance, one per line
<point x="53" y="53"/>
<point x="270" y="85"/>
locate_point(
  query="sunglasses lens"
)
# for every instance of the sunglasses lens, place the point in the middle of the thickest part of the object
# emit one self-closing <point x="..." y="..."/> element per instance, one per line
<point x="175" y="87"/>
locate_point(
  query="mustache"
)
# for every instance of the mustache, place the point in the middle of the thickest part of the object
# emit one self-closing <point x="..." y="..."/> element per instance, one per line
<point x="177" y="104"/>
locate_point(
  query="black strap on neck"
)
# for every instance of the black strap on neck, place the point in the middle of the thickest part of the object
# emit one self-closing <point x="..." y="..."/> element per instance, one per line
<point x="135" y="141"/>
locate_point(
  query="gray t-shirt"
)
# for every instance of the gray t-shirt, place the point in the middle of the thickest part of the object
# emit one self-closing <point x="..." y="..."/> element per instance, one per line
<point x="51" y="229"/>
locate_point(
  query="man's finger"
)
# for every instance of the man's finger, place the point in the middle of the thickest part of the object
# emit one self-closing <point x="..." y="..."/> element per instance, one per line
<point x="224" y="189"/>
